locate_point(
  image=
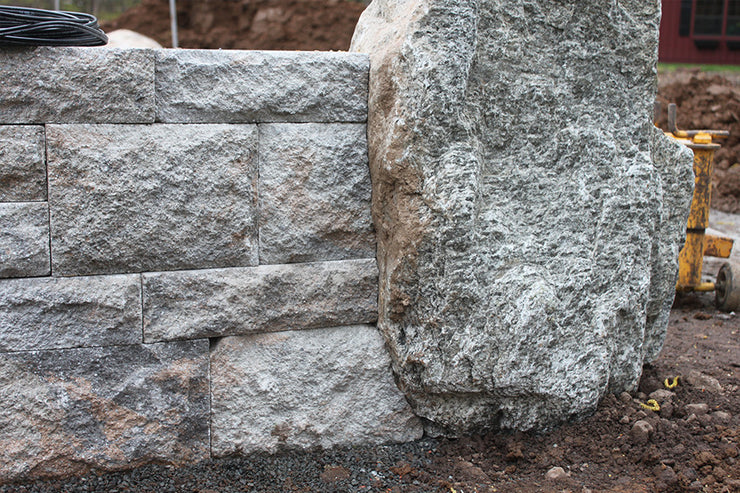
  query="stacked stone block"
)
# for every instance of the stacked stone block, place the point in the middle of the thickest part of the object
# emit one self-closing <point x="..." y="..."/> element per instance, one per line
<point x="187" y="259"/>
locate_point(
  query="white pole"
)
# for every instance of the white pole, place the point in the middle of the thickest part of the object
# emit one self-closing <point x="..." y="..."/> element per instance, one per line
<point x="173" y="22"/>
<point x="56" y="5"/>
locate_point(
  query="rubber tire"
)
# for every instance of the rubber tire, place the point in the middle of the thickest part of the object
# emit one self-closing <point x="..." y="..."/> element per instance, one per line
<point x="727" y="287"/>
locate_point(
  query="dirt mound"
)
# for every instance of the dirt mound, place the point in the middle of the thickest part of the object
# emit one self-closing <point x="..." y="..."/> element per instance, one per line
<point x="247" y="24"/>
<point x="708" y="101"/>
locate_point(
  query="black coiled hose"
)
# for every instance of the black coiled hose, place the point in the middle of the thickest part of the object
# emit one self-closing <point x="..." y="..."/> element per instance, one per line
<point x="36" y="27"/>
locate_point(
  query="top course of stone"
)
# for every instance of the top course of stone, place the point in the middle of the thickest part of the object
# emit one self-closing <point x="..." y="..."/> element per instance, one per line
<point x="101" y="85"/>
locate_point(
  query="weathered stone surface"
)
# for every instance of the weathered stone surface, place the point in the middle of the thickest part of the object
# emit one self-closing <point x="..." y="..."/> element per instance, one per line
<point x="57" y="313"/>
<point x="151" y="198"/>
<point x="208" y="86"/>
<point x="109" y="408"/>
<point x="314" y="193"/>
<point x="516" y="203"/>
<point x="671" y="161"/>
<point x="221" y="302"/>
<point x="24" y="239"/>
<point x="305" y="389"/>
<point x="76" y="85"/>
<point x="22" y="165"/>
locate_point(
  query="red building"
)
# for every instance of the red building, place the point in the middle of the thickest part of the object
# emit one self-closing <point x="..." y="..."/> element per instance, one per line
<point x="700" y="31"/>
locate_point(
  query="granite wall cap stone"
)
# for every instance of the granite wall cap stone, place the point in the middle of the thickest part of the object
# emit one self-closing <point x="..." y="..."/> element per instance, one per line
<point x="24" y="239"/>
<point x="67" y="312"/>
<point x="221" y="302"/>
<point x="22" y="163"/>
<point x="304" y="389"/>
<point x="67" y="411"/>
<point x="314" y="193"/>
<point x="76" y="85"/>
<point x="232" y="86"/>
<point x="138" y="198"/>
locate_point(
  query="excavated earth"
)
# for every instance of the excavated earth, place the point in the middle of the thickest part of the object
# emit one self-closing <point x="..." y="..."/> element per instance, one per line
<point x="247" y="24"/>
<point x="691" y="444"/>
<point x="709" y="101"/>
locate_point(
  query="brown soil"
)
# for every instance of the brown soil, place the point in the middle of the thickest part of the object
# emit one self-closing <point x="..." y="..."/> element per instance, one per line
<point x="709" y="101"/>
<point x="247" y="24"/>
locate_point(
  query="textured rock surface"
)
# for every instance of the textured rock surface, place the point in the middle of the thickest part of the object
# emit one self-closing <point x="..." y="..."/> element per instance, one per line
<point x="193" y="86"/>
<point x="110" y="408"/>
<point x="108" y="85"/>
<point x="150" y="198"/>
<point x="22" y="165"/>
<point x="516" y="203"/>
<point x="670" y="159"/>
<point x="24" y="239"/>
<point x="314" y="193"/>
<point x="220" y="302"/>
<point x="306" y="389"/>
<point x="56" y="313"/>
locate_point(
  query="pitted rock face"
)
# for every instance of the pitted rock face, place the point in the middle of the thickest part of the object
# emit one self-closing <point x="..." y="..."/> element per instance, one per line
<point x="523" y="203"/>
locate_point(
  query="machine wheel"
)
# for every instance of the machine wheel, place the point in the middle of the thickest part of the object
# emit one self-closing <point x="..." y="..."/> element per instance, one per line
<point x="727" y="288"/>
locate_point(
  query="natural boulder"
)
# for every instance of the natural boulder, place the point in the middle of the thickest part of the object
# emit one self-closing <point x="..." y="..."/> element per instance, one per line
<point x="527" y="211"/>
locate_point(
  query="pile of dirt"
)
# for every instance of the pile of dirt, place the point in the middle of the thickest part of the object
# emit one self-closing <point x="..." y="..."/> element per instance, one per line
<point x="709" y="101"/>
<point x="247" y="24"/>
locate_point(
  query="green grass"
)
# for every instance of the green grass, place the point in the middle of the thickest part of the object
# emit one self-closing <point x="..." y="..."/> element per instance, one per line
<point x="670" y="67"/>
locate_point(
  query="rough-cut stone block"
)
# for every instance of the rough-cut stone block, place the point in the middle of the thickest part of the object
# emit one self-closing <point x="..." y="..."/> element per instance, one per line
<point x="306" y="389"/>
<point x="57" y="313"/>
<point x="24" y="239"/>
<point x="314" y="193"/>
<point x="67" y="411"/>
<point x="140" y="198"/>
<point x="209" y="86"/>
<point x="220" y="302"/>
<point x="22" y="163"/>
<point x="76" y="85"/>
<point x="518" y="200"/>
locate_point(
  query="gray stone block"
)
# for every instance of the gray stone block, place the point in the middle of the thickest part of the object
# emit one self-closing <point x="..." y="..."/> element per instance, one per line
<point x="22" y="163"/>
<point x="220" y="302"/>
<point x="76" y="85"/>
<point x="134" y="198"/>
<point x="306" y="389"/>
<point x="314" y="193"/>
<point x="210" y="86"/>
<point x="24" y="239"/>
<point x="519" y="199"/>
<point x="68" y="312"/>
<point x="111" y="408"/>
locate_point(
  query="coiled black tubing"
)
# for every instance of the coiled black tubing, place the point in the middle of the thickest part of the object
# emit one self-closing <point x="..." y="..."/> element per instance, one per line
<point x="20" y="26"/>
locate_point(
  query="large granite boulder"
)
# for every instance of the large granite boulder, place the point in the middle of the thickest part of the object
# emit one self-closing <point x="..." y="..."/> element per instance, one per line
<point x="528" y="214"/>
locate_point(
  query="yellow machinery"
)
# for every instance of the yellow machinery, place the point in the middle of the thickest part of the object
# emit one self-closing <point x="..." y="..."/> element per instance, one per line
<point x="698" y="243"/>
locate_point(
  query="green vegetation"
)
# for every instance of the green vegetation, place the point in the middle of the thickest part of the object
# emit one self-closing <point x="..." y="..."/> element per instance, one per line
<point x="670" y="67"/>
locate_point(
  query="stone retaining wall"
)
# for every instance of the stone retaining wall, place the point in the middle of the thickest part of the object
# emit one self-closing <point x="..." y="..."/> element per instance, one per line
<point x="154" y="202"/>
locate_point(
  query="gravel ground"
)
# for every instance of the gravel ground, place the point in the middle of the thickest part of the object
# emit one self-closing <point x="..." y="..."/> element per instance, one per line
<point x="367" y="469"/>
